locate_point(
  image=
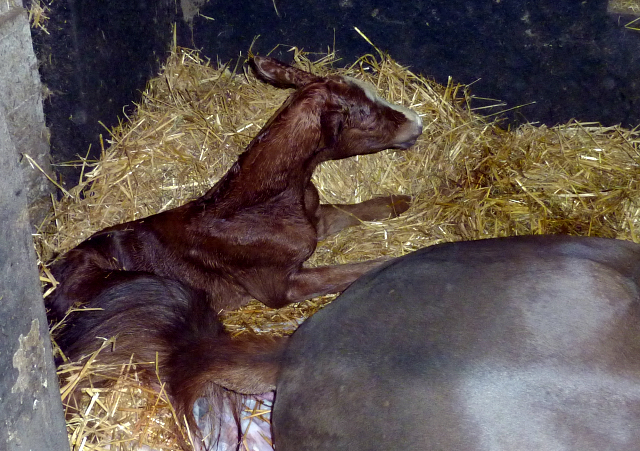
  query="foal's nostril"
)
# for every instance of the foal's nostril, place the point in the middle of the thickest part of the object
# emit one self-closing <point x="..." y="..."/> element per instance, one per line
<point x="406" y="144"/>
<point x="409" y="135"/>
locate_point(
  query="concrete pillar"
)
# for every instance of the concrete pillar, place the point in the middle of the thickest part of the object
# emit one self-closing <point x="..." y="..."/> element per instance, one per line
<point x="31" y="416"/>
<point x="21" y="103"/>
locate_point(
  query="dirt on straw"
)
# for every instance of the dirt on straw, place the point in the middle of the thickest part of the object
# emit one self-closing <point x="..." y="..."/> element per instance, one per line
<point x="470" y="179"/>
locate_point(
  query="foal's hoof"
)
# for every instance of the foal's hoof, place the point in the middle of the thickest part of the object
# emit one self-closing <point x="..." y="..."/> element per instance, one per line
<point x="399" y="203"/>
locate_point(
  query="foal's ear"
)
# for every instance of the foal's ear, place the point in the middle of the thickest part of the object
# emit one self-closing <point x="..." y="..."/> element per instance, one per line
<point x="281" y="75"/>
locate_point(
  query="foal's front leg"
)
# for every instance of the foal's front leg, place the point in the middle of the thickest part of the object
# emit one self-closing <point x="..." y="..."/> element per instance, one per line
<point x="334" y="217"/>
<point x="307" y="283"/>
<point x="277" y="288"/>
<point x="331" y="218"/>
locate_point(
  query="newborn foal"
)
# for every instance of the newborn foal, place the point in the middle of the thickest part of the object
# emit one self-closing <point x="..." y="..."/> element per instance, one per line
<point x="159" y="281"/>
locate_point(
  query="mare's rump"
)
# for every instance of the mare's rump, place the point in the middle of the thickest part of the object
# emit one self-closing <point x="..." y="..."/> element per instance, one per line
<point x="507" y="344"/>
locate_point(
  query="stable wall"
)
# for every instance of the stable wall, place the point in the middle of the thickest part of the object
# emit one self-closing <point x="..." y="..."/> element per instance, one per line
<point x="548" y="61"/>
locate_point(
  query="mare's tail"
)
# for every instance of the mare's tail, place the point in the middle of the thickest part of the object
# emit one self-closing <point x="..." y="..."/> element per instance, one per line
<point x="174" y="329"/>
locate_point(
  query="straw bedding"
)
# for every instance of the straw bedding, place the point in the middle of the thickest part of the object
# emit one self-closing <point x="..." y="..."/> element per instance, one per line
<point x="469" y="177"/>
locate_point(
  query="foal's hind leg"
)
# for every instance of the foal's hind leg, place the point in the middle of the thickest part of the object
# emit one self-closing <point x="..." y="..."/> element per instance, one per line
<point x="333" y="218"/>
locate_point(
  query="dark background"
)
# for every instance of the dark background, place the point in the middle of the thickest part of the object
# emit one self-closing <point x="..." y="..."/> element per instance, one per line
<point x="572" y="58"/>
